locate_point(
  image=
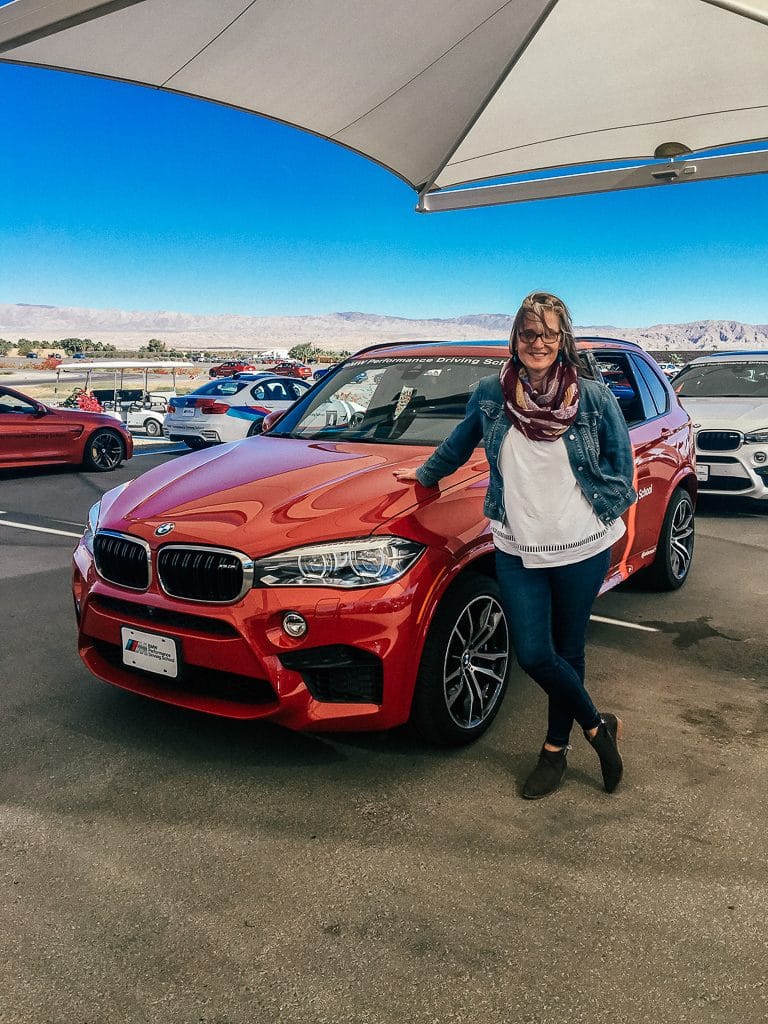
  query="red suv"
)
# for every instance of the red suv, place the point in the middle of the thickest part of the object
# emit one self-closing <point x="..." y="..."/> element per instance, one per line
<point x="291" y="576"/>
<point x="292" y="369"/>
<point x="230" y="366"/>
<point x="34" y="434"/>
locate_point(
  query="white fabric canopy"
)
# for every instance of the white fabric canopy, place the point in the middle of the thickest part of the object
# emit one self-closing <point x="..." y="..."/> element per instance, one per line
<point x="447" y="92"/>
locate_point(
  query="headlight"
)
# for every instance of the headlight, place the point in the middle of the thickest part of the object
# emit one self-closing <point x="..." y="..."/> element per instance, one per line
<point x="759" y="436"/>
<point x="368" y="562"/>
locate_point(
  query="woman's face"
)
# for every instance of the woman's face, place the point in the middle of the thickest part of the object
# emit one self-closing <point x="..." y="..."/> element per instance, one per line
<point x="538" y="342"/>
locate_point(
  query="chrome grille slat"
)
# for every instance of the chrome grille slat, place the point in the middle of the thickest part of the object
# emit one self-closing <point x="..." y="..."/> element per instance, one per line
<point x="205" y="574"/>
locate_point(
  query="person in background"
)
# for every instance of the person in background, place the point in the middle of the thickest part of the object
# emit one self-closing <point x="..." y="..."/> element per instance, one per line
<point x="561" y="475"/>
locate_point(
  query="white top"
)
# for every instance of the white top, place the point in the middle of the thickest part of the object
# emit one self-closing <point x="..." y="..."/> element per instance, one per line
<point x="548" y="520"/>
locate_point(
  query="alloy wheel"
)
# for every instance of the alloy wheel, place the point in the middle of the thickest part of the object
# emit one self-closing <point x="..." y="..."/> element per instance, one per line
<point x="476" y="661"/>
<point x="681" y="538"/>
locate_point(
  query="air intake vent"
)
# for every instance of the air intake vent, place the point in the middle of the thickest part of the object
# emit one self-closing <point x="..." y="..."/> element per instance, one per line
<point x="208" y="575"/>
<point x="123" y="560"/>
<point x="718" y="440"/>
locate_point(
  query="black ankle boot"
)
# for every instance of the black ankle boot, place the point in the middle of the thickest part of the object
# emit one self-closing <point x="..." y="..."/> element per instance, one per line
<point x="547" y="775"/>
<point x="605" y="742"/>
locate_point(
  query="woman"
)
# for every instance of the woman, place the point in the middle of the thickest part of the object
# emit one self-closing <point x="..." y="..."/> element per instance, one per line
<point x="561" y="470"/>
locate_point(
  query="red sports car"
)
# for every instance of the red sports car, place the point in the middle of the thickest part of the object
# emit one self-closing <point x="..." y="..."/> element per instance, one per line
<point x="291" y="576"/>
<point x="230" y="366"/>
<point x="33" y="434"/>
<point x="292" y="369"/>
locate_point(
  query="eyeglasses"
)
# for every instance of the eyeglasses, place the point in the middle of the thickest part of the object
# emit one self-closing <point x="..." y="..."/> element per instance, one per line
<point x="529" y="337"/>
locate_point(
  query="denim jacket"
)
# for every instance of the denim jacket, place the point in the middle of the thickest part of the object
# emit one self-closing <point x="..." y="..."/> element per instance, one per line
<point x="597" y="442"/>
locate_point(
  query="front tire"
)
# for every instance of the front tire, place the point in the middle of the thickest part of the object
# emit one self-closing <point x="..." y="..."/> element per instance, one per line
<point x="104" y="451"/>
<point x="463" y="674"/>
<point x="152" y="428"/>
<point x="674" y="553"/>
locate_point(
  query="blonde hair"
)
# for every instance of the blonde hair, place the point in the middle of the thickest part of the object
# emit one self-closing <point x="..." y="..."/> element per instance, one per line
<point x="536" y="304"/>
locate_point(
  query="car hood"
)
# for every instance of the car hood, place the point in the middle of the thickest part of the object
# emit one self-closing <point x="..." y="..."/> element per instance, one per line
<point x="267" y="494"/>
<point x="727" y="413"/>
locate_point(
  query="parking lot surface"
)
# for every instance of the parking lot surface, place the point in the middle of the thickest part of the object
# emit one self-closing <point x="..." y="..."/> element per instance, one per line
<point x="161" y="866"/>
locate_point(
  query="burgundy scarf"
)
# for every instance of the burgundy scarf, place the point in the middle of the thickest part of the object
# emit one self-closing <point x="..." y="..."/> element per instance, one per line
<point x="545" y="416"/>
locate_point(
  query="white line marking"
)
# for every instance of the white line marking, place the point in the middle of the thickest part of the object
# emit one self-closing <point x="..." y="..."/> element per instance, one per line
<point x="620" y="622"/>
<point x="38" y="529"/>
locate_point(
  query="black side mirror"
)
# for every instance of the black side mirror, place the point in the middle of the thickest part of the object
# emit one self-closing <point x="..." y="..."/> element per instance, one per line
<point x="40" y="410"/>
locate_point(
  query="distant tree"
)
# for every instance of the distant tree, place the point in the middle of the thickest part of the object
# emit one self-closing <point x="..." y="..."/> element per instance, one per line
<point x="72" y="345"/>
<point x="306" y="352"/>
<point x="24" y="345"/>
<point x="5" y="347"/>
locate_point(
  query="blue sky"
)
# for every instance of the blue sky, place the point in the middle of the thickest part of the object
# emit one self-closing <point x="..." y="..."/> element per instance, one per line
<point x="113" y="195"/>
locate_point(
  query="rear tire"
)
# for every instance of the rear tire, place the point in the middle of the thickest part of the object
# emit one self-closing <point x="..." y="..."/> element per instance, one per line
<point x="674" y="553"/>
<point x="195" y="443"/>
<point x="153" y="428"/>
<point x="464" y="665"/>
<point x="104" y="451"/>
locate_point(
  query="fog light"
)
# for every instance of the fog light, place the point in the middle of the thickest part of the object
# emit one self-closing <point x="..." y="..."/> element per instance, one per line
<point x="294" y="624"/>
<point x="759" y="457"/>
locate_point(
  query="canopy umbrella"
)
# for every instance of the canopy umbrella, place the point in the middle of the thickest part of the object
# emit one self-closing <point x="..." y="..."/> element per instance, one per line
<point x="446" y="93"/>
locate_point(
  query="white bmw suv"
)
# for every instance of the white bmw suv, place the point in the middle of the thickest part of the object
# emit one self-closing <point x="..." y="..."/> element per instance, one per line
<point x="726" y="396"/>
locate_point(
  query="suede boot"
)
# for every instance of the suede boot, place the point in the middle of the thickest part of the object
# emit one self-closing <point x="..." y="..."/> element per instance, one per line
<point x="547" y="775"/>
<point x="605" y="742"/>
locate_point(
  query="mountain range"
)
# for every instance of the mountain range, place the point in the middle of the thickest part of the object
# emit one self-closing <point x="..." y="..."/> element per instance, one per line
<point x="333" y="331"/>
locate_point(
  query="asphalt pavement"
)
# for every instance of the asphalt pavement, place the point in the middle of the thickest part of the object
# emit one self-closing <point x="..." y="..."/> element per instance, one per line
<point x="162" y="866"/>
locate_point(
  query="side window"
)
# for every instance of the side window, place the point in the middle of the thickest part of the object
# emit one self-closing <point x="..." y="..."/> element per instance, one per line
<point x="634" y="399"/>
<point x="655" y="386"/>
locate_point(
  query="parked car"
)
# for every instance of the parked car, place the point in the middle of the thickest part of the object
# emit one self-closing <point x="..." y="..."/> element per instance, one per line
<point x="230" y="366"/>
<point x="228" y="409"/>
<point x="293" y="577"/>
<point x="726" y="395"/>
<point x="290" y="368"/>
<point x="32" y="434"/>
<point x="32" y="355"/>
<point x="669" y="369"/>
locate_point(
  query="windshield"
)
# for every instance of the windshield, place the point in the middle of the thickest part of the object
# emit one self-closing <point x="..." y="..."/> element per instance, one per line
<point x="723" y="380"/>
<point x="397" y="400"/>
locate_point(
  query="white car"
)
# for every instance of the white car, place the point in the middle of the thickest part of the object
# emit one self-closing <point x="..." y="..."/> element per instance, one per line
<point x="726" y="396"/>
<point x="669" y="369"/>
<point x="229" y="409"/>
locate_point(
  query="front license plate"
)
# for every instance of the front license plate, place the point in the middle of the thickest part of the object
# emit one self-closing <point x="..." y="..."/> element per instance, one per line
<point x="702" y="473"/>
<point x="150" y="652"/>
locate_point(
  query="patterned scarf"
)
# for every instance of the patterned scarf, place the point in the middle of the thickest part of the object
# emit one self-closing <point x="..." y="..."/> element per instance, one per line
<point x="545" y="416"/>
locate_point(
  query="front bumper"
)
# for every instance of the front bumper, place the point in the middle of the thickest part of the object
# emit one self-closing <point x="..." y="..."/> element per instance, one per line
<point x="739" y="472"/>
<point x="354" y="669"/>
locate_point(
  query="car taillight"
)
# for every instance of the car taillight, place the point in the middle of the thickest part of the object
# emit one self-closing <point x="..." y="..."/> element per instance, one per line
<point x="171" y="407"/>
<point x="213" y="408"/>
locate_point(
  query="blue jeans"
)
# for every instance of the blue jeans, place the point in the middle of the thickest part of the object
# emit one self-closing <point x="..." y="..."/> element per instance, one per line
<point x="548" y="612"/>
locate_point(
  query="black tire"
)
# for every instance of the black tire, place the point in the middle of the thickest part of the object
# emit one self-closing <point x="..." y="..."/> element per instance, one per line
<point x="464" y="665"/>
<point x="104" y="451"/>
<point x="195" y="443"/>
<point x="674" y="552"/>
<point x="255" y="428"/>
<point x="152" y="427"/>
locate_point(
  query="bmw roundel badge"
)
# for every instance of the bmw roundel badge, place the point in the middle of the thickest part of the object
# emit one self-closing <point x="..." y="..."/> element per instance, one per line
<point x="163" y="529"/>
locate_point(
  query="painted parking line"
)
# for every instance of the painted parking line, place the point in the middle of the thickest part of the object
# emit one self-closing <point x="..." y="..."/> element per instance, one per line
<point x="38" y="529"/>
<point x="621" y="622"/>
